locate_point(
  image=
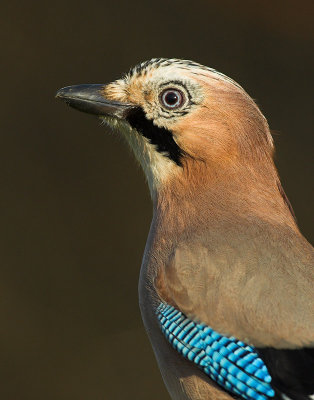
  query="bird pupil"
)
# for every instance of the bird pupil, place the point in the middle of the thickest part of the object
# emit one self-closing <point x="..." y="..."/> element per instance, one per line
<point x="171" y="98"/>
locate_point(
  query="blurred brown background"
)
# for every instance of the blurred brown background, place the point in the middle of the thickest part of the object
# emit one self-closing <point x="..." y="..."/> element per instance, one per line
<point x="75" y="210"/>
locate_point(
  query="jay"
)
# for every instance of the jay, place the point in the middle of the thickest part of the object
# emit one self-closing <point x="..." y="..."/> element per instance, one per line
<point x="226" y="284"/>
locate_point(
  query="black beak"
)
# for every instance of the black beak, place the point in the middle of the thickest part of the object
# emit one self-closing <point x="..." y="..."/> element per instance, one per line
<point x="90" y="99"/>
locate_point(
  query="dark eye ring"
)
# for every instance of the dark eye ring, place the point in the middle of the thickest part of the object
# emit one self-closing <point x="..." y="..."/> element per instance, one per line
<point x="172" y="98"/>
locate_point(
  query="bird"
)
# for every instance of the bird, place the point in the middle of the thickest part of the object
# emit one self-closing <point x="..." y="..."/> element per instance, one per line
<point x="226" y="282"/>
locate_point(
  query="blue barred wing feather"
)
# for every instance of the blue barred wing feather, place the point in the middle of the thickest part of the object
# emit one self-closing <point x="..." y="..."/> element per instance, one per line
<point x="232" y="364"/>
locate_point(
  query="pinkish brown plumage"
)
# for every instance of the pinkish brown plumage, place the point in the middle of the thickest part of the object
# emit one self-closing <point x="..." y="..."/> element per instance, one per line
<point x="224" y="247"/>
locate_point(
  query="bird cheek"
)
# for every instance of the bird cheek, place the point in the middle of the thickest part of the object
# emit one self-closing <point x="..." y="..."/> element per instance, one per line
<point x="189" y="144"/>
<point x="151" y="114"/>
<point x="148" y="96"/>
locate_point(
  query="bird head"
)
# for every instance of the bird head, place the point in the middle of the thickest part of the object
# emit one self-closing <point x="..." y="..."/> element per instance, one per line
<point x="185" y="122"/>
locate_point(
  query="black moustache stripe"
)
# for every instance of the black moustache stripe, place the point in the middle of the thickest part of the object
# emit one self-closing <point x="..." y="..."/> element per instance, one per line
<point x="160" y="137"/>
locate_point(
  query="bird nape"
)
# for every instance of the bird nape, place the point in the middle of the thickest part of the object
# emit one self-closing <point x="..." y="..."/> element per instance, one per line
<point x="226" y="280"/>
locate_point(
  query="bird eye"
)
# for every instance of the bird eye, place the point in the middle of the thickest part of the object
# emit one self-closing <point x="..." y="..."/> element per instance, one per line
<point x="172" y="98"/>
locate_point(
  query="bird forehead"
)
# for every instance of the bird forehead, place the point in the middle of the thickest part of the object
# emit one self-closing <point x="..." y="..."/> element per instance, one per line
<point x="163" y="68"/>
<point x="144" y="87"/>
<point x="143" y="83"/>
<point x="149" y="86"/>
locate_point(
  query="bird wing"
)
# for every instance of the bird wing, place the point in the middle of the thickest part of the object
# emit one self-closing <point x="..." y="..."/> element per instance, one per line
<point x="256" y="286"/>
<point x="235" y="366"/>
